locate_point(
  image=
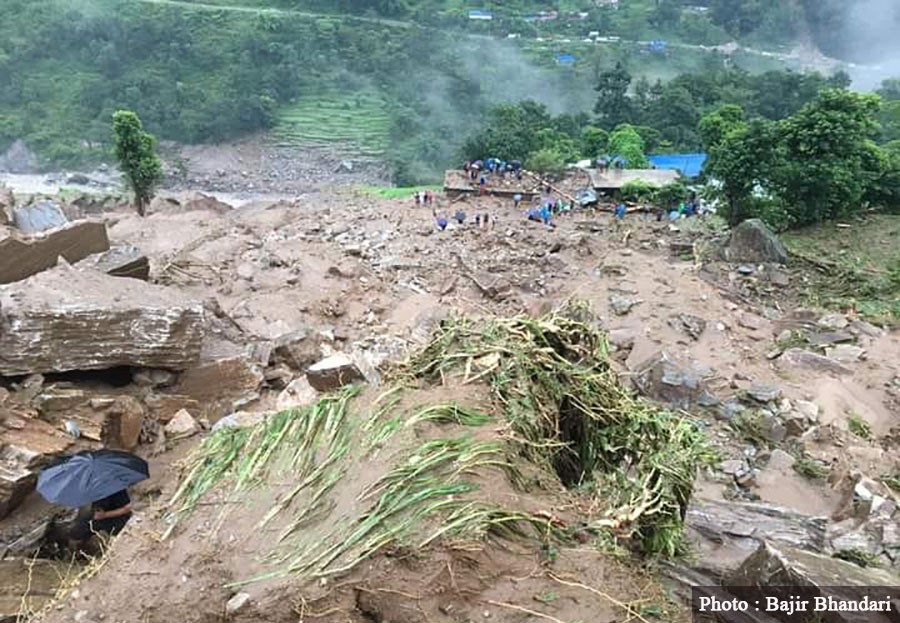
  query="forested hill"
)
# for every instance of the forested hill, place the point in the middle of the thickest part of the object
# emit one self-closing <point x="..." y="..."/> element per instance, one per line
<point x="394" y="79"/>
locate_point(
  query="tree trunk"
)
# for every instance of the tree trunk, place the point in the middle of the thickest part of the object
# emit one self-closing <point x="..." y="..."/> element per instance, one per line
<point x="139" y="203"/>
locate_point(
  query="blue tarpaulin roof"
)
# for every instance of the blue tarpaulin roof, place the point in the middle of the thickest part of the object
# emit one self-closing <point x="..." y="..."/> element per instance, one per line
<point x="565" y="59"/>
<point x="689" y="165"/>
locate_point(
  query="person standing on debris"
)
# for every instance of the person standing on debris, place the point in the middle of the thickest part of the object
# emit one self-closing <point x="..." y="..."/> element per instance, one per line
<point x="486" y="220"/>
<point x="460" y="216"/>
<point x="441" y="223"/>
<point x="477" y="220"/>
<point x="546" y="214"/>
<point x="620" y="211"/>
<point x="482" y="185"/>
<point x="517" y="198"/>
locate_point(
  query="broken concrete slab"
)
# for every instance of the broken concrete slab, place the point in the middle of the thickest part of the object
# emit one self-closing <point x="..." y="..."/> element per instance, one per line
<point x="120" y="261"/>
<point x="65" y="319"/>
<point x="241" y="419"/>
<point x="334" y="372"/>
<point x="753" y="242"/>
<point x="833" y="322"/>
<point x="761" y="392"/>
<point x="38" y="216"/>
<point x="21" y="257"/>
<point x="807" y="360"/>
<point x="221" y="386"/>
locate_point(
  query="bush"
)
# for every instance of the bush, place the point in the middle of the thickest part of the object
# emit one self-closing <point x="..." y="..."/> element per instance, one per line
<point x="672" y="193"/>
<point x="637" y="191"/>
<point x="547" y="162"/>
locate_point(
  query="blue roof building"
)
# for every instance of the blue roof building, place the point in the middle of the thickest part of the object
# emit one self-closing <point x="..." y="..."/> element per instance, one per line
<point x="690" y="165"/>
<point x="565" y="59"/>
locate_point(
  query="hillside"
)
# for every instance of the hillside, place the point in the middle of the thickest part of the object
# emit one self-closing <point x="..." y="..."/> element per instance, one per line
<point x="202" y="72"/>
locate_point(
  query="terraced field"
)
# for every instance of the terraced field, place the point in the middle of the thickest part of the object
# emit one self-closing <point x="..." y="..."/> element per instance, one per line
<point x="358" y="122"/>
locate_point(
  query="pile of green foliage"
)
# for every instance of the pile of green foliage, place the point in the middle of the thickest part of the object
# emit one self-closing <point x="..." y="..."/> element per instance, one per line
<point x="563" y="416"/>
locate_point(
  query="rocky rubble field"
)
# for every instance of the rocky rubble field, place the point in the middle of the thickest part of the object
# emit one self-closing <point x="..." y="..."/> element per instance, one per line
<point x="147" y="334"/>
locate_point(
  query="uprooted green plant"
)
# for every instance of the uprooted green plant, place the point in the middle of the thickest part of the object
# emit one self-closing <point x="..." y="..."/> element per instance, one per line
<point x="566" y="409"/>
<point x="559" y="405"/>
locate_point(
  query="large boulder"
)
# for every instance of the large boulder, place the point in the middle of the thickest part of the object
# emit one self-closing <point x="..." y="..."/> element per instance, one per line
<point x="22" y="256"/>
<point x="222" y="386"/>
<point x="65" y="319"/>
<point x="753" y="241"/>
<point x="26" y="444"/>
<point x="39" y="216"/>
<point x="786" y="572"/>
<point x="798" y="358"/>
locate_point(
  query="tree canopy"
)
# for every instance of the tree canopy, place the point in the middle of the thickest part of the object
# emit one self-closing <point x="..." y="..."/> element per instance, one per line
<point x="136" y="153"/>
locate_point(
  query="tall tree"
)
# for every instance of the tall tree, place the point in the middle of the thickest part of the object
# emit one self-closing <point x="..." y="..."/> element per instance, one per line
<point x="626" y="143"/>
<point x="613" y="105"/>
<point x="831" y="158"/>
<point x="136" y="152"/>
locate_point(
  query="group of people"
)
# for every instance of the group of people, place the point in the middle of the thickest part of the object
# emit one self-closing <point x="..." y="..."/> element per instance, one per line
<point x="460" y="217"/>
<point x="685" y="209"/>
<point x="545" y="211"/>
<point x="480" y="169"/>
<point x="604" y="163"/>
<point x="424" y="197"/>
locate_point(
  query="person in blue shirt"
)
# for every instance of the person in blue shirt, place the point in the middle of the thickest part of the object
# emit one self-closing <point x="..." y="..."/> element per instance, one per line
<point x="441" y="223"/>
<point x="546" y="214"/>
<point x="620" y="211"/>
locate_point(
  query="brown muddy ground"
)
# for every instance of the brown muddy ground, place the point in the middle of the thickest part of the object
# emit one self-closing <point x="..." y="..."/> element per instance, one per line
<point x="375" y="276"/>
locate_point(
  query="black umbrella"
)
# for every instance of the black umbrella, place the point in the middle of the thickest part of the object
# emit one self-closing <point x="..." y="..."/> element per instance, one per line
<point x="90" y="476"/>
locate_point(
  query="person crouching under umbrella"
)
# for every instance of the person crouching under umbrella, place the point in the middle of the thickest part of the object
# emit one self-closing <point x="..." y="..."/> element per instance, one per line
<point x="107" y="517"/>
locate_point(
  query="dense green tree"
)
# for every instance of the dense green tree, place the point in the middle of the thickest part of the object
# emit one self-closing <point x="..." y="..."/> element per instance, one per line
<point x="547" y="161"/>
<point x="626" y="143"/>
<point x="743" y="162"/>
<point x="594" y="141"/>
<point x="715" y="126"/>
<point x="613" y="106"/>
<point x="831" y="159"/>
<point x="136" y="153"/>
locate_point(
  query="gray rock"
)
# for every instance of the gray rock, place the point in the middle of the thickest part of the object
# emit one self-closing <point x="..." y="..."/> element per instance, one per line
<point x="38" y="217"/>
<point x="780" y="460"/>
<point x="694" y="326"/>
<point x="753" y="242"/>
<point x="764" y="393"/>
<point x="237" y="603"/>
<point x="622" y="339"/>
<point x="811" y="575"/>
<point x="845" y="353"/>
<point x="333" y="372"/>
<point x="746" y="269"/>
<point x="807" y="409"/>
<point x="662" y="378"/>
<point x="750" y="321"/>
<point x="729" y="409"/>
<point x="621" y="305"/>
<point x="733" y="466"/>
<point x="182" y="425"/>
<point x="799" y="358"/>
<point x="833" y="322"/>
<point x="827" y="338"/>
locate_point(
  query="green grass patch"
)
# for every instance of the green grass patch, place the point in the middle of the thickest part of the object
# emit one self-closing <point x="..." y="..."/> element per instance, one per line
<point x="855" y="267"/>
<point x="857" y="425"/>
<point x="395" y="192"/>
<point x="810" y="468"/>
